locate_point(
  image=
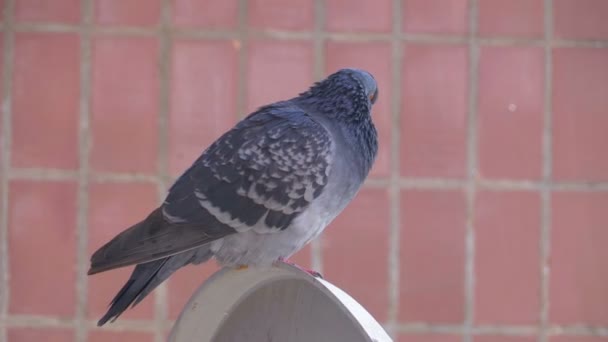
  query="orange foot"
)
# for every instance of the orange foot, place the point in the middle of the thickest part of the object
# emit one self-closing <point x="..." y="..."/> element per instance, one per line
<point x="242" y="267"/>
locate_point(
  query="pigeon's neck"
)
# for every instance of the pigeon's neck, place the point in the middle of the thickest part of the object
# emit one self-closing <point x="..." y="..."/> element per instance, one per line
<point x="364" y="139"/>
<point x="355" y="129"/>
<point x="335" y="103"/>
<point x="347" y="112"/>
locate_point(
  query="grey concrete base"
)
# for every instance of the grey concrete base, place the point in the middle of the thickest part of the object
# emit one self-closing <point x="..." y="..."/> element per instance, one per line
<point x="279" y="304"/>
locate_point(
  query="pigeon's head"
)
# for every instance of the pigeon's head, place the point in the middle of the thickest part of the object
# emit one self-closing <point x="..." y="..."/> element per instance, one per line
<point x="358" y="80"/>
<point x="347" y="94"/>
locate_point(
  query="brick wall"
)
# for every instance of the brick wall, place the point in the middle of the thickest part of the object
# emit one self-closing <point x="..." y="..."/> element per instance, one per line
<point x="485" y="217"/>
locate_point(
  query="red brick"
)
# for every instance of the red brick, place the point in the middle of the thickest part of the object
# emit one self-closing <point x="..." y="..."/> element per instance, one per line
<point x="403" y="337"/>
<point x="114" y="207"/>
<point x="514" y="18"/>
<point x="491" y="338"/>
<point x="45" y="115"/>
<point x="215" y="14"/>
<point x="432" y="256"/>
<point x="507" y="280"/>
<point x="119" y="336"/>
<point x="203" y="93"/>
<point x="577" y="339"/>
<point x="434" y="111"/>
<point x="510" y="110"/>
<point x="435" y="16"/>
<point x="277" y="14"/>
<point x="128" y="12"/>
<point x="580" y="78"/>
<point x="1" y="103"/>
<point x="42" y="334"/>
<point x="124" y="104"/>
<point x="580" y="19"/>
<point x="579" y="258"/>
<point x="277" y="71"/>
<point x="355" y="251"/>
<point x="359" y="15"/>
<point x="185" y="282"/>
<point x="42" y="246"/>
<point x="63" y="11"/>
<point x="375" y="58"/>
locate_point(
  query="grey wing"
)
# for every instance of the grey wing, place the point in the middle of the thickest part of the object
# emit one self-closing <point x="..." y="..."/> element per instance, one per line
<point x="260" y="175"/>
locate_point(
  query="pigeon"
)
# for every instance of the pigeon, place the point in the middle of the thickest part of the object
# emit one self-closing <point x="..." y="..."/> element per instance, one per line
<point x="259" y="193"/>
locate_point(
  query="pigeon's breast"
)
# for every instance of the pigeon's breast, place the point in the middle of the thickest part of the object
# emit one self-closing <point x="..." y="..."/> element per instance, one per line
<point x="261" y="247"/>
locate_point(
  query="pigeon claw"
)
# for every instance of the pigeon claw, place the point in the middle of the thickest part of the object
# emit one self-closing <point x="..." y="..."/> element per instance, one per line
<point x="242" y="267"/>
<point x="311" y="272"/>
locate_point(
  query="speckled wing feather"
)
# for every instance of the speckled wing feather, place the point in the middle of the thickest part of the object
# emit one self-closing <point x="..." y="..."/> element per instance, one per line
<point x="260" y="175"/>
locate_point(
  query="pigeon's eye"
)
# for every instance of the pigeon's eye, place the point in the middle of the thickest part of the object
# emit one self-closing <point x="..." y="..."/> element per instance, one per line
<point x="373" y="96"/>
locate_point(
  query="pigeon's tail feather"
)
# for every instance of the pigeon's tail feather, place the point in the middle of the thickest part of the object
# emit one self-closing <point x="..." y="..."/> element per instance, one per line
<point x="145" y="278"/>
<point x="114" y="254"/>
<point x="155" y="238"/>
